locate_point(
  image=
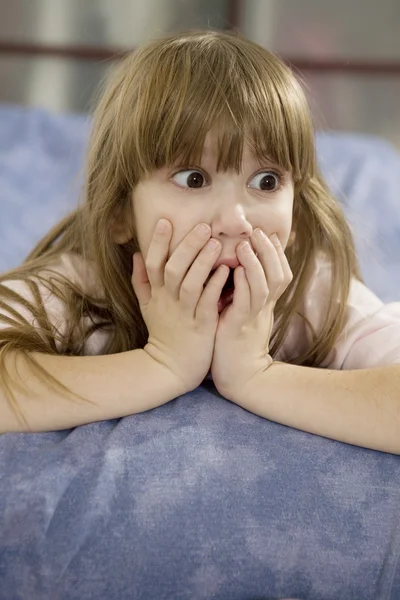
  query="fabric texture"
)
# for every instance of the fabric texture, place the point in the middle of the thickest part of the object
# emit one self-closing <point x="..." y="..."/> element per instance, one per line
<point x="196" y="499"/>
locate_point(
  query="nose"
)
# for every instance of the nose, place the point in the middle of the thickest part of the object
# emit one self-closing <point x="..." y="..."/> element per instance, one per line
<point x="231" y="222"/>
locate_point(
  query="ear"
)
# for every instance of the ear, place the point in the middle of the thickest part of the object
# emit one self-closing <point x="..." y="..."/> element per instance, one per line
<point x="291" y="239"/>
<point x="119" y="231"/>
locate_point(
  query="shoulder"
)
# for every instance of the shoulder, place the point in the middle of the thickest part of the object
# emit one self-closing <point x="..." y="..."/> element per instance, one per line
<point x="76" y="270"/>
<point x="22" y="299"/>
<point x="45" y="283"/>
<point x="320" y="294"/>
<point x="371" y="333"/>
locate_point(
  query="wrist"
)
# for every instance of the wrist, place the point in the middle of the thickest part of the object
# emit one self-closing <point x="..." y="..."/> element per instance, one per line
<point x="245" y="379"/>
<point x="167" y="368"/>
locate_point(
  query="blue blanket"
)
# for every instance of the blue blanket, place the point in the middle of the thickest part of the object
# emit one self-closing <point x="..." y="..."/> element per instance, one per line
<point x="197" y="499"/>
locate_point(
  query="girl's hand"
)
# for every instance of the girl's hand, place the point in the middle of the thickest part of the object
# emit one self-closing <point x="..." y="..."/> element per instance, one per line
<point x="180" y="312"/>
<point x="242" y="341"/>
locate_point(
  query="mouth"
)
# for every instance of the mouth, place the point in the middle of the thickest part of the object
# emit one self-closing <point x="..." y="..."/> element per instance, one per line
<point x="226" y="296"/>
<point x="229" y="284"/>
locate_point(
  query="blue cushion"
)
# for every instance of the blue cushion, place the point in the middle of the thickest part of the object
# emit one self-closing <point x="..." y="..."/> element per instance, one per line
<point x="198" y="498"/>
<point x="41" y="172"/>
<point x="363" y="173"/>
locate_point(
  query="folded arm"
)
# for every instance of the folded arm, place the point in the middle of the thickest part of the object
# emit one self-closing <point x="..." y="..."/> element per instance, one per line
<point x="359" y="407"/>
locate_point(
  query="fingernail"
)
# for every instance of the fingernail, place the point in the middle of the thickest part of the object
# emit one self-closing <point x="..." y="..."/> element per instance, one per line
<point x="247" y="248"/>
<point x="213" y="244"/>
<point x="260" y="234"/>
<point x="161" y="226"/>
<point x="203" y="228"/>
<point x="274" y="239"/>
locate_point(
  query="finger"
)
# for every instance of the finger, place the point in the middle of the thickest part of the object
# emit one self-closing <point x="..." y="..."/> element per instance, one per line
<point x="258" y="284"/>
<point x="140" y="281"/>
<point x="194" y="282"/>
<point x="286" y="270"/>
<point x="183" y="256"/>
<point x="241" y="296"/>
<point x="270" y="260"/>
<point x="157" y="254"/>
<point x="208" y="302"/>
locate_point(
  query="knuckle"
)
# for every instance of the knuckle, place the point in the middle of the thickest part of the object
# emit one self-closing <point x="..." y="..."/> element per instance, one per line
<point x="170" y="271"/>
<point x="214" y="282"/>
<point x="194" y="243"/>
<point x="198" y="237"/>
<point x="288" y="278"/>
<point x="151" y="266"/>
<point x="280" y="281"/>
<point x="187" y="288"/>
<point x="205" y="261"/>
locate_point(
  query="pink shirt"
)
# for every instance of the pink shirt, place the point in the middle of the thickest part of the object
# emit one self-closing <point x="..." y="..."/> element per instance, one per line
<point x="371" y="336"/>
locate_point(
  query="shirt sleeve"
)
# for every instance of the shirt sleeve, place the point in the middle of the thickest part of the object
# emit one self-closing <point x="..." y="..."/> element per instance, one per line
<point x="14" y="311"/>
<point x="18" y="300"/>
<point x="370" y="337"/>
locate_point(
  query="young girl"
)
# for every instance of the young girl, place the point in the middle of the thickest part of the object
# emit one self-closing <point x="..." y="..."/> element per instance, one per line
<point x="201" y="181"/>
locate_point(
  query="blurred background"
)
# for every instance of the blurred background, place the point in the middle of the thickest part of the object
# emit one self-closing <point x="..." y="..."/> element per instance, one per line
<point x="53" y="53"/>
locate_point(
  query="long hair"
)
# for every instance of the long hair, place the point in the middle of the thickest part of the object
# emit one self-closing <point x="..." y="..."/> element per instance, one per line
<point x="157" y="106"/>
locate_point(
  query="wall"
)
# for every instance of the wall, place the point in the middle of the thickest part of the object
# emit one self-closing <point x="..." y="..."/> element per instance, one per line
<point x="64" y="84"/>
<point x="327" y="40"/>
<point x="340" y="34"/>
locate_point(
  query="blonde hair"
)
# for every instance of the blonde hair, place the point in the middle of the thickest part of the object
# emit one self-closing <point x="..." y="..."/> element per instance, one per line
<point x="158" y="105"/>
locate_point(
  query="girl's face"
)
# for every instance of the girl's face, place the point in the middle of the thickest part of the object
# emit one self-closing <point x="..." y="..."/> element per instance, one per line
<point x="261" y="195"/>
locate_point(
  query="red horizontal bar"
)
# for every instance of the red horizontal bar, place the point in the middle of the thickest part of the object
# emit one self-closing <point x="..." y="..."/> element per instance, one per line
<point x="345" y="65"/>
<point x="75" y="52"/>
<point x="103" y="53"/>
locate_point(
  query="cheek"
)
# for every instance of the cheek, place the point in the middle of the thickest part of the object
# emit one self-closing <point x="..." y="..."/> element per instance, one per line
<point x="145" y="226"/>
<point x="146" y="217"/>
<point x="146" y="222"/>
<point x="142" y="228"/>
<point x="277" y="220"/>
<point x="180" y="231"/>
<point x="283" y="219"/>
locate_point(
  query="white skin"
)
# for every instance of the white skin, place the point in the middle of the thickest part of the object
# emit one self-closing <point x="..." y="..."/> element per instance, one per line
<point x="232" y="204"/>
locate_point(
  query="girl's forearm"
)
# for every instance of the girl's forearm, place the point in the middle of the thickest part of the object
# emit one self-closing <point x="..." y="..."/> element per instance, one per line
<point x="360" y="407"/>
<point x="113" y="385"/>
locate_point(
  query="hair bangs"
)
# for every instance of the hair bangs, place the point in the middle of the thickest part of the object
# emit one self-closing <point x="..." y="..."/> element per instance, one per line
<point x="211" y="87"/>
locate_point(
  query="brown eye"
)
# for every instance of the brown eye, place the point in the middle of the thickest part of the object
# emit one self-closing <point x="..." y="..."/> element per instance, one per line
<point x="268" y="181"/>
<point x="190" y="179"/>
